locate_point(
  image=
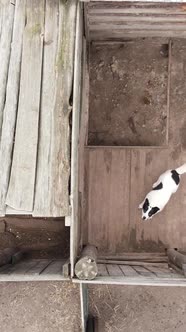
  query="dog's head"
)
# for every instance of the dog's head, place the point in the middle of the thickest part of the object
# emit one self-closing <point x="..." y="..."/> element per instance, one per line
<point x="148" y="211"/>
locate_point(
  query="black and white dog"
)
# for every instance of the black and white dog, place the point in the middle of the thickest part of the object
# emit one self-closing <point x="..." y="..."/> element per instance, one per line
<point x="159" y="196"/>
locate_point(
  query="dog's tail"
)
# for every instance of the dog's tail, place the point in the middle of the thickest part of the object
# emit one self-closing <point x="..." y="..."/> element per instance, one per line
<point x="181" y="170"/>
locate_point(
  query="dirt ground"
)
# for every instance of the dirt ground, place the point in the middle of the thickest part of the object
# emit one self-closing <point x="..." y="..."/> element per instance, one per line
<point x="128" y="93"/>
<point x="39" y="237"/>
<point x="39" y="307"/>
<point x="55" y="307"/>
<point x="138" y="309"/>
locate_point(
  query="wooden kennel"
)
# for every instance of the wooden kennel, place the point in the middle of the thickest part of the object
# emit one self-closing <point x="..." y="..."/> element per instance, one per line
<point x="132" y="120"/>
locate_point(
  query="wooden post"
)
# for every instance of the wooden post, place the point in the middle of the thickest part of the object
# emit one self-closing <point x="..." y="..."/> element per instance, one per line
<point x="176" y="258"/>
<point x="86" y="267"/>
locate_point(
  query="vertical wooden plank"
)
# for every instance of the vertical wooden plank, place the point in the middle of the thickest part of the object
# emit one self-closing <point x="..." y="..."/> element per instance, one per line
<point x="22" y="181"/>
<point x="42" y="200"/>
<point x="75" y="227"/>
<point x="108" y="198"/>
<point x="120" y="200"/>
<point x="53" y="168"/>
<point x="84" y="305"/>
<point x="1" y="17"/>
<point x="10" y="109"/>
<point x="146" y="166"/>
<point x="6" y="23"/>
<point x="82" y="142"/>
<point x="176" y="226"/>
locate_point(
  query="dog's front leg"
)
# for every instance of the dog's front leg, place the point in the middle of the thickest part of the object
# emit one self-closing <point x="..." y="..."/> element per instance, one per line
<point x="155" y="184"/>
<point x="141" y="205"/>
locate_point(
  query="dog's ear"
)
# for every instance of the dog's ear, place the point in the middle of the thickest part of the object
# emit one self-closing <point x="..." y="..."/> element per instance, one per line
<point x="146" y="205"/>
<point x="153" y="211"/>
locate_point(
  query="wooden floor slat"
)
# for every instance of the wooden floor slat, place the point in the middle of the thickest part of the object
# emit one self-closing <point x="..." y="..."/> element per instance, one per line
<point x="34" y="269"/>
<point x="128" y="271"/>
<point x="55" y="267"/>
<point x="137" y="271"/>
<point x="143" y="271"/>
<point x="39" y="267"/>
<point x="102" y="270"/>
<point x="114" y="270"/>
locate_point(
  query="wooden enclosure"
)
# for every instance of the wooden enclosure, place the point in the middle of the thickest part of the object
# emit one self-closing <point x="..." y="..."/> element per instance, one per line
<point x="132" y="129"/>
<point x="92" y="111"/>
<point x="38" y="146"/>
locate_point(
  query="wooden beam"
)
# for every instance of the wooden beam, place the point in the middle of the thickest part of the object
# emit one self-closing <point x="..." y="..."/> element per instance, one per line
<point x="138" y="281"/>
<point x="84" y="305"/>
<point x="75" y="227"/>
<point x="176" y="258"/>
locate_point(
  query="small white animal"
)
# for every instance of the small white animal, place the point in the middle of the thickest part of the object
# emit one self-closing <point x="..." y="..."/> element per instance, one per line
<point x="159" y="196"/>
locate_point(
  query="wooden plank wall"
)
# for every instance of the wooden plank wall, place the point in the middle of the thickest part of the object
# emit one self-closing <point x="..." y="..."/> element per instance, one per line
<point x="35" y="105"/>
<point x="111" y="20"/>
<point x="137" y="271"/>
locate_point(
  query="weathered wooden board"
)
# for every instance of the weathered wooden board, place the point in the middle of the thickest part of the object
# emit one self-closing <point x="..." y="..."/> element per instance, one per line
<point x="22" y="181"/>
<point x="54" y="267"/>
<point x="177" y="281"/>
<point x="53" y="167"/>
<point x="126" y="19"/>
<point x="83" y="137"/>
<point x="144" y="3"/>
<point x="20" y="268"/>
<point x="10" y="108"/>
<point x="122" y="35"/>
<point x="137" y="256"/>
<point x="136" y="8"/>
<point x="6" y="27"/>
<point x="84" y="305"/>
<point x="108" y="198"/>
<point x="39" y="267"/>
<point x="102" y="270"/>
<point x="114" y="270"/>
<point x="145" y="169"/>
<point x="132" y="263"/>
<point x="112" y="20"/>
<point x="143" y="271"/>
<point x="33" y="270"/>
<point x="166" y="26"/>
<point x="75" y="239"/>
<point x="128" y="271"/>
